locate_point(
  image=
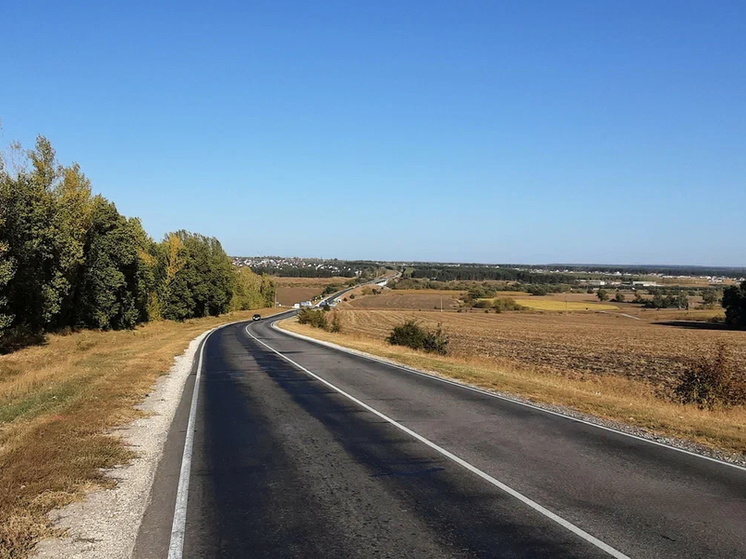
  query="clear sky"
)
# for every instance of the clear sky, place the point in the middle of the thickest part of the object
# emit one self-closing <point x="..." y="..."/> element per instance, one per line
<point x="596" y="131"/>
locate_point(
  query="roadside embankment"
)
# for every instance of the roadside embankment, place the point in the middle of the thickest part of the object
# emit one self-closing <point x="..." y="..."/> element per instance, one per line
<point x="66" y="428"/>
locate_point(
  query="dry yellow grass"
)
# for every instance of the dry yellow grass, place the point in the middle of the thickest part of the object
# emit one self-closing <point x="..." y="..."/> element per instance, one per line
<point x="606" y="396"/>
<point x="58" y="403"/>
<point x="543" y="304"/>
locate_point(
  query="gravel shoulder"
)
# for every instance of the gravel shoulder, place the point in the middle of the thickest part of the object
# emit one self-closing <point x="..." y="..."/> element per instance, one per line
<point x="106" y="522"/>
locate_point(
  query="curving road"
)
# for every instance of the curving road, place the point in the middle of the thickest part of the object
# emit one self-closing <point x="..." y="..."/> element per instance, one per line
<point x="301" y="450"/>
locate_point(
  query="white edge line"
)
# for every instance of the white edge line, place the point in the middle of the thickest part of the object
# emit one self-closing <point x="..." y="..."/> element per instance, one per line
<point x="178" y="527"/>
<point x="510" y="491"/>
<point x="370" y="357"/>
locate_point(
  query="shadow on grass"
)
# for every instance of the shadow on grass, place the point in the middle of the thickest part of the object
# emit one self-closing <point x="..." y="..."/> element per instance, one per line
<point x="19" y="338"/>
<point x="696" y="325"/>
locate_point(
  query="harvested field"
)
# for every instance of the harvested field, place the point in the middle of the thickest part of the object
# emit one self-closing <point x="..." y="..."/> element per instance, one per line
<point x="307" y="282"/>
<point x="287" y="296"/>
<point x="546" y="304"/>
<point x="408" y="299"/>
<point x="574" y="344"/>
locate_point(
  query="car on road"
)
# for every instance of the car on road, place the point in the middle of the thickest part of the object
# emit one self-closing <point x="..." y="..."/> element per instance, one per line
<point x="256" y="317"/>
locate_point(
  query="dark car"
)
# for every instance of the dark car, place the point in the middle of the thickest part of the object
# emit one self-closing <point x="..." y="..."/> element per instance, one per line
<point x="256" y="317"/>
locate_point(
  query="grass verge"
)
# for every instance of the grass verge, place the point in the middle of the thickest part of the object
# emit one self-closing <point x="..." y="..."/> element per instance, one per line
<point x="605" y="396"/>
<point x="58" y="405"/>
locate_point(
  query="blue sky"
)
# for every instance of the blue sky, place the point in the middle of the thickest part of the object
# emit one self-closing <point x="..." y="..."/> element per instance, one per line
<point x="532" y="132"/>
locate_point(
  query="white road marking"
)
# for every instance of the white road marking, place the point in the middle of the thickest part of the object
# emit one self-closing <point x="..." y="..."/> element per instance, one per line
<point x="369" y="357"/>
<point x="463" y="463"/>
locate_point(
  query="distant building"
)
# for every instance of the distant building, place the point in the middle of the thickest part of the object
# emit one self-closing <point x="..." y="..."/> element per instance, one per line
<point x="644" y="284"/>
<point x="596" y="283"/>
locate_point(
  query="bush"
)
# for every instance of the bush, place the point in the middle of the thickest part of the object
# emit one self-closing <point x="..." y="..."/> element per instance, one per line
<point x="713" y="381"/>
<point x="336" y="325"/>
<point x="411" y="334"/>
<point x="317" y="319"/>
<point x="602" y="295"/>
<point x="506" y="304"/>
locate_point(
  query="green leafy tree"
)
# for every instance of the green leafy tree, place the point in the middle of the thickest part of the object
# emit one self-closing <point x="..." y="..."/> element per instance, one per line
<point x="709" y="298"/>
<point x="203" y="284"/>
<point x="602" y="295"/>
<point x="114" y="290"/>
<point x="734" y="303"/>
<point x="252" y="291"/>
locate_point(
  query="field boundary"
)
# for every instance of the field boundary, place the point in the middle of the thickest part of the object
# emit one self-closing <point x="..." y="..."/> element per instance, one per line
<point x="587" y="419"/>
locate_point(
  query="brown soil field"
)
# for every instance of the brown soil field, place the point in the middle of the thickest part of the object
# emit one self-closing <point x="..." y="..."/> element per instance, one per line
<point x="408" y="299"/>
<point x="287" y="296"/>
<point x="575" y="344"/>
<point x="307" y="282"/>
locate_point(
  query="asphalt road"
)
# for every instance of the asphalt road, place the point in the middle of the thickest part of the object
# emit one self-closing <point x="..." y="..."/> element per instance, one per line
<point x="354" y="458"/>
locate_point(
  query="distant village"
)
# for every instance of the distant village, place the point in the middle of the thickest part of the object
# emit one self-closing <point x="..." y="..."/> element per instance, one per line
<point x="329" y="267"/>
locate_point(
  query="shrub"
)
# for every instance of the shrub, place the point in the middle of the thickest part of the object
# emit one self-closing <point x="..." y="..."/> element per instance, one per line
<point x="336" y="325"/>
<point x="411" y="334"/>
<point x="602" y="295"/>
<point x="506" y="304"/>
<point x="436" y="341"/>
<point x="712" y="381"/>
<point x="317" y="319"/>
<point x="619" y="297"/>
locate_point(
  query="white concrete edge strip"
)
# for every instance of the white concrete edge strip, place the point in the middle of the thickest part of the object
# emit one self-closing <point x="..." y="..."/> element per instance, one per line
<point x="176" y="545"/>
<point x="510" y="491"/>
<point x="370" y="357"/>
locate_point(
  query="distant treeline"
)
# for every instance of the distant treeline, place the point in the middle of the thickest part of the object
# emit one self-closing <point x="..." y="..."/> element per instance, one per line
<point x="70" y="259"/>
<point x="484" y="273"/>
<point x="294" y="272"/>
<point x="643" y="270"/>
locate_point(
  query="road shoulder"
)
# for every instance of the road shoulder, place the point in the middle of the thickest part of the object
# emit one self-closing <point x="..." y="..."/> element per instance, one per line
<point x="106" y="522"/>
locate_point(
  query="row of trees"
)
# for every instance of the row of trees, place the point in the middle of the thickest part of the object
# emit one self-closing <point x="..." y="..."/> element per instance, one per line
<point x="68" y="258"/>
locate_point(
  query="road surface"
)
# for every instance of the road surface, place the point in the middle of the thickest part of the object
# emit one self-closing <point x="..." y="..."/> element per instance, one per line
<point x="299" y="450"/>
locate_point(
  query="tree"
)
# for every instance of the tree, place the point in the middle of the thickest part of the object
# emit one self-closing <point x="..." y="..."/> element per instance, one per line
<point x="204" y="282"/>
<point x="709" y="298"/>
<point x="252" y="291"/>
<point x="734" y="303"/>
<point x="619" y="297"/>
<point x="602" y="295"/>
<point x="114" y="290"/>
